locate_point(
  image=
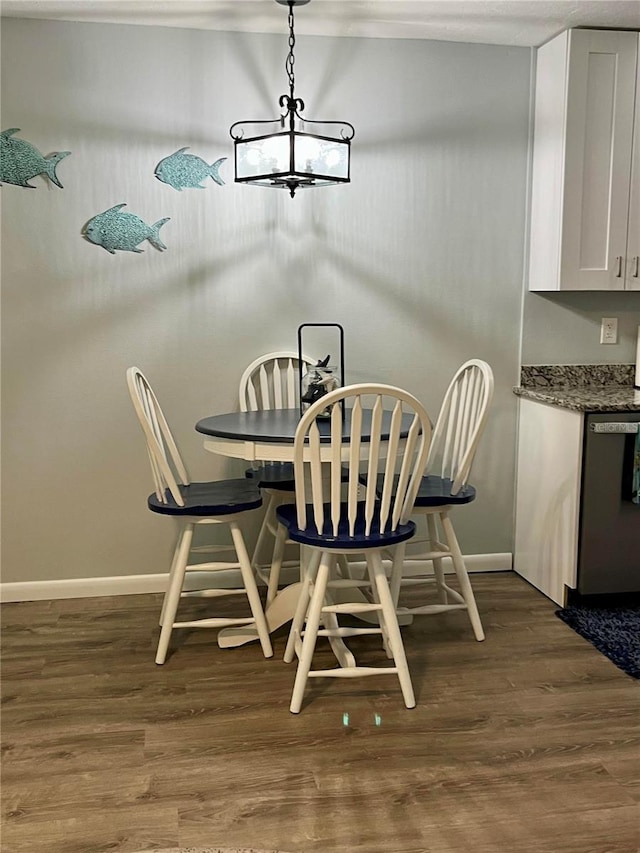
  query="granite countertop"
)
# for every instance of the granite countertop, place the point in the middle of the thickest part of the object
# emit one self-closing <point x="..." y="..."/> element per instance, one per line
<point x="581" y="387"/>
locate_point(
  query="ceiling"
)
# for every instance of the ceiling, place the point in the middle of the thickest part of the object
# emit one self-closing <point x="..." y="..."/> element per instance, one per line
<point x="526" y="23"/>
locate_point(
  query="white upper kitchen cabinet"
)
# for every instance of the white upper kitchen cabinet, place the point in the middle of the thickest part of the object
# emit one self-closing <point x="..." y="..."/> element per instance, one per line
<point x="585" y="194"/>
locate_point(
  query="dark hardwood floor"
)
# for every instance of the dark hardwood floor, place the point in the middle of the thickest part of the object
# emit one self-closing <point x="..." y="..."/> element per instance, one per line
<point x="526" y="743"/>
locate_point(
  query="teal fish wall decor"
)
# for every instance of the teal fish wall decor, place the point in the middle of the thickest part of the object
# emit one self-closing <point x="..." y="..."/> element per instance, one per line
<point x="20" y="161"/>
<point x="185" y="171"/>
<point x="113" y="230"/>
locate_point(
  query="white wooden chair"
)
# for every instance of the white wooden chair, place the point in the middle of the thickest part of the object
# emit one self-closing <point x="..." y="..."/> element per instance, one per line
<point x="219" y="502"/>
<point x="459" y="427"/>
<point x="336" y="514"/>
<point x="272" y="381"/>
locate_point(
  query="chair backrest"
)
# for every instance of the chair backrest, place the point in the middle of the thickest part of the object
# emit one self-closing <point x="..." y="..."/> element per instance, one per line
<point x="385" y="429"/>
<point x="272" y="381"/>
<point x="461" y="422"/>
<point x="167" y="466"/>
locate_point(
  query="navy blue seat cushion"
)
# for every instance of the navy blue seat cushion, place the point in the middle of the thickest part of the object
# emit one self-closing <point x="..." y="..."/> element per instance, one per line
<point x="436" y="491"/>
<point x="221" y="497"/>
<point x="273" y="475"/>
<point x="287" y="515"/>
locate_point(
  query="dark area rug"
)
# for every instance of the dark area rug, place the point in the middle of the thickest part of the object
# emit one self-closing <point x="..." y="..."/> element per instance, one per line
<point x="614" y="631"/>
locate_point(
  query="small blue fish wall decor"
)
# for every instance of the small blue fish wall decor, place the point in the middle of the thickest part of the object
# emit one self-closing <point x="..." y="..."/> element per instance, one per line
<point x="112" y="229"/>
<point x="185" y="171"/>
<point x="20" y="161"/>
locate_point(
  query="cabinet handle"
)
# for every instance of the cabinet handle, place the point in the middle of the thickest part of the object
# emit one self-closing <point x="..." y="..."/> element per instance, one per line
<point x="619" y="268"/>
<point x="636" y="262"/>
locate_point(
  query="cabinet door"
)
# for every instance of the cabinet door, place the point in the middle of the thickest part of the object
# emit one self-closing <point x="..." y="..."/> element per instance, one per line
<point x="633" y="238"/>
<point x="548" y="497"/>
<point x="597" y="178"/>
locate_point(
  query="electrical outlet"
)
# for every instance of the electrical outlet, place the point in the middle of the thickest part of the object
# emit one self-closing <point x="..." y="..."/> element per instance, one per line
<point x="609" y="330"/>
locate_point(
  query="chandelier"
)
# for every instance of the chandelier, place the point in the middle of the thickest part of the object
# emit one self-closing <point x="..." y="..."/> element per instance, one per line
<point x="292" y="156"/>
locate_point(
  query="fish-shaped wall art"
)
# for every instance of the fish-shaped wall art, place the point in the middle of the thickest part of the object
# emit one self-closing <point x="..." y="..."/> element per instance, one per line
<point x="184" y="171"/>
<point x="20" y="161"/>
<point x="112" y="229"/>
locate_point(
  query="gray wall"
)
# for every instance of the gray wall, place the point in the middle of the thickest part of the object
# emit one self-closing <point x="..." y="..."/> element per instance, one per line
<point x="564" y="328"/>
<point x="420" y="258"/>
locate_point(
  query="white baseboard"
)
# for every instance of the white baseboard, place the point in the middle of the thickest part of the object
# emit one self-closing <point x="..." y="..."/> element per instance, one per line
<point x="473" y="562"/>
<point x="137" y="584"/>
<point x="118" y="585"/>
<point x="81" y="587"/>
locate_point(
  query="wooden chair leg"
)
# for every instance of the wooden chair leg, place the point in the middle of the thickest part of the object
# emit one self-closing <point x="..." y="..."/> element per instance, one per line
<point x="438" y="570"/>
<point x="174" y="562"/>
<point x="391" y="628"/>
<point x="172" y="596"/>
<point x="276" y="563"/>
<point x="463" y="578"/>
<point x="267" y="520"/>
<point x="252" y="590"/>
<point x="310" y="633"/>
<point x="345" y="568"/>
<point x="397" y="567"/>
<point x="302" y="606"/>
<point x="397" y="564"/>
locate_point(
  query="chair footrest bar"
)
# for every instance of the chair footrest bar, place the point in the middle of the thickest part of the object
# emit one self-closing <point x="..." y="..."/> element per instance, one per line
<point x="347" y="632"/>
<point x="438" y="554"/>
<point x="415" y="581"/>
<point x="287" y="564"/>
<point x="213" y="566"/>
<point x="214" y="622"/>
<point x="212" y="549"/>
<point x="210" y="593"/>
<point x="431" y="608"/>
<point x="353" y="671"/>
<point x="348" y="583"/>
<point x="352" y="607"/>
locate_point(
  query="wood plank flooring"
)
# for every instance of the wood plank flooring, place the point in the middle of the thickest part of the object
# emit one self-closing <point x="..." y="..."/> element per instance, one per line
<point x="526" y="743"/>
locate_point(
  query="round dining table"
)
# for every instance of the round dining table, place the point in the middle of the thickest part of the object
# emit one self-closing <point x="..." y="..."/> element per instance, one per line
<point x="268" y="435"/>
<point x="261" y="436"/>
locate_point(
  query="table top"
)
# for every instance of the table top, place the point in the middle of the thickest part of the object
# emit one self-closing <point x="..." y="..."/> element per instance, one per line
<point x="278" y="426"/>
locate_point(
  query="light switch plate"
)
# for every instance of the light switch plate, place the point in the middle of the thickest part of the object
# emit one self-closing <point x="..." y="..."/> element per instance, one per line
<point x="609" y="330"/>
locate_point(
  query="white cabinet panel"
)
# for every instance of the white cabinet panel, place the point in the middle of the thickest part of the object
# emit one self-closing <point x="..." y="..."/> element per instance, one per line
<point x="633" y="237"/>
<point x="548" y="496"/>
<point x="581" y="177"/>
<point x="548" y="165"/>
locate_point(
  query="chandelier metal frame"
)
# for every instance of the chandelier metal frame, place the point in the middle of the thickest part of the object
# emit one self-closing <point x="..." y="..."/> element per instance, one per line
<point x="293" y="157"/>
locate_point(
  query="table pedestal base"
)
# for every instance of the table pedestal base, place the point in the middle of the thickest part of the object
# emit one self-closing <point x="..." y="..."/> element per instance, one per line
<point x="281" y="611"/>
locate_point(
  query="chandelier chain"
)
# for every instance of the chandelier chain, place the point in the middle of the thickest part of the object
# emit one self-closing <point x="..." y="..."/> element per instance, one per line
<point x="290" y="61"/>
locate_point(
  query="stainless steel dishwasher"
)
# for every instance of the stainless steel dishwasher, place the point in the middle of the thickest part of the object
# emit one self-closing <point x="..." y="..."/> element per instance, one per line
<point x="609" y="534"/>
